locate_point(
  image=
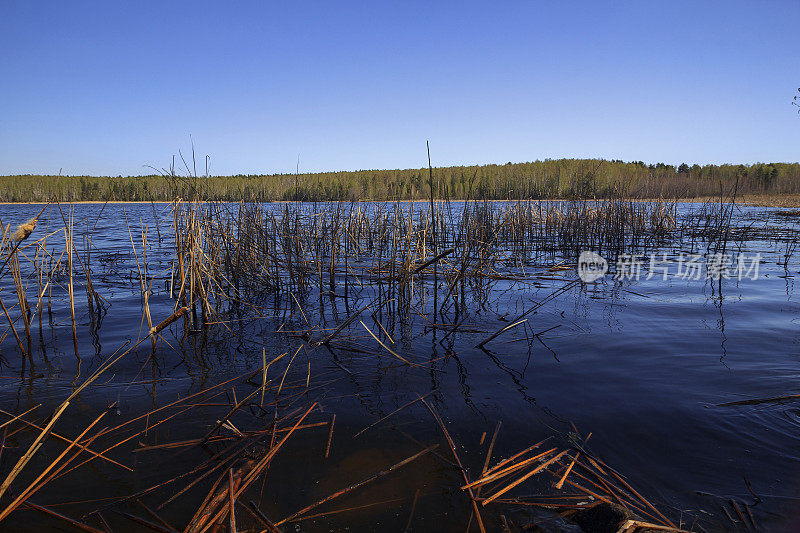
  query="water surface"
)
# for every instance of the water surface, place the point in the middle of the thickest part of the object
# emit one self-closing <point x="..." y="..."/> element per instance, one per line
<point x="642" y="365"/>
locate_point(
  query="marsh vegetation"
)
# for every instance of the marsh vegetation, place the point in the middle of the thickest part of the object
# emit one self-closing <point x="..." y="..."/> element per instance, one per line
<point x="202" y="365"/>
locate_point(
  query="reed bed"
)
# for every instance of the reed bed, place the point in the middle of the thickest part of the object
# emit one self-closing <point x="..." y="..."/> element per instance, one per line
<point x="233" y="253"/>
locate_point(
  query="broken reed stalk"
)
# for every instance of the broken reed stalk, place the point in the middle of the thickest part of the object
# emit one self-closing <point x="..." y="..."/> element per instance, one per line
<point x="491" y="447"/>
<point x="261" y="517"/>
<point x="169" y="527"/>
<point x="34" y="447"/>
<point x="141" y="521"/>
<point x="361" y="483"/>
<point x="264" y="374"/>
<point x="259" y="467"/>
<point x="393" y="412"/>
<point x="17" y="417"/>
<point x="486" y="463"/>
<point x="563" y="478"/>
<point x="72" y="521"/>
<point x="494" y="476"/>
<point x="71" y="442"/>
<point x="406" y="361"/>
<point x="330" y="437"/>
<point x="439" y="421"/>
<point x="232" y="500"/>
<point x="631" y="526"/>
<point x="25" y="494"/>
<point x="494" y="336"/>
<point x="511" y="459"/>
<point x="510" y="486"/>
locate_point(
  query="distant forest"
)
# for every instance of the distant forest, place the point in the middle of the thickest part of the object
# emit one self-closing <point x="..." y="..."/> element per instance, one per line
<point x="557" y="178"/>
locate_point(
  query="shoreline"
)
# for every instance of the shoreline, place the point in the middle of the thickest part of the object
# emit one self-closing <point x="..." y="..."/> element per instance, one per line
<point x="786" y="200"/>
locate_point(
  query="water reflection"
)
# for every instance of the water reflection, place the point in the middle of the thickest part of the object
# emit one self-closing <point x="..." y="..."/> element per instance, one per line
<point x="636" y="363"/>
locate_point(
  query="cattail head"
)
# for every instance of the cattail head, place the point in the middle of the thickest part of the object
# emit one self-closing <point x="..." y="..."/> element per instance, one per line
<point x="24" y="230"/>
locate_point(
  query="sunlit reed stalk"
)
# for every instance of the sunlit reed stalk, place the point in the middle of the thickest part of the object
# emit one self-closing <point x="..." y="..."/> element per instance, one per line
<point x="22" y="300"/>
<point x="69" y="233"/>
<point x="13" y="329"/>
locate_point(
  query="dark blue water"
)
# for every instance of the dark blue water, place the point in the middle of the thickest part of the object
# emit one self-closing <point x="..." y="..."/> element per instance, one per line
<point x="642" y="365"/>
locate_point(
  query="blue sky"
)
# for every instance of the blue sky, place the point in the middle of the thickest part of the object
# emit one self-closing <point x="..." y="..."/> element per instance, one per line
<point x="106" y="88"/>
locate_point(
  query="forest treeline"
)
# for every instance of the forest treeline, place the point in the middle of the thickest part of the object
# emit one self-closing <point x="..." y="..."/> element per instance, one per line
<point x="557" y="178"/>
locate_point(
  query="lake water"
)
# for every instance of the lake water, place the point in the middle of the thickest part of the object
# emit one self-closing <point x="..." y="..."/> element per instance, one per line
<point x="641" y="364"/>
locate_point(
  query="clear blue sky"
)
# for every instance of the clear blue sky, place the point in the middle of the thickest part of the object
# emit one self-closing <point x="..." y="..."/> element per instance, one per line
<point x="105" y="88"/>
